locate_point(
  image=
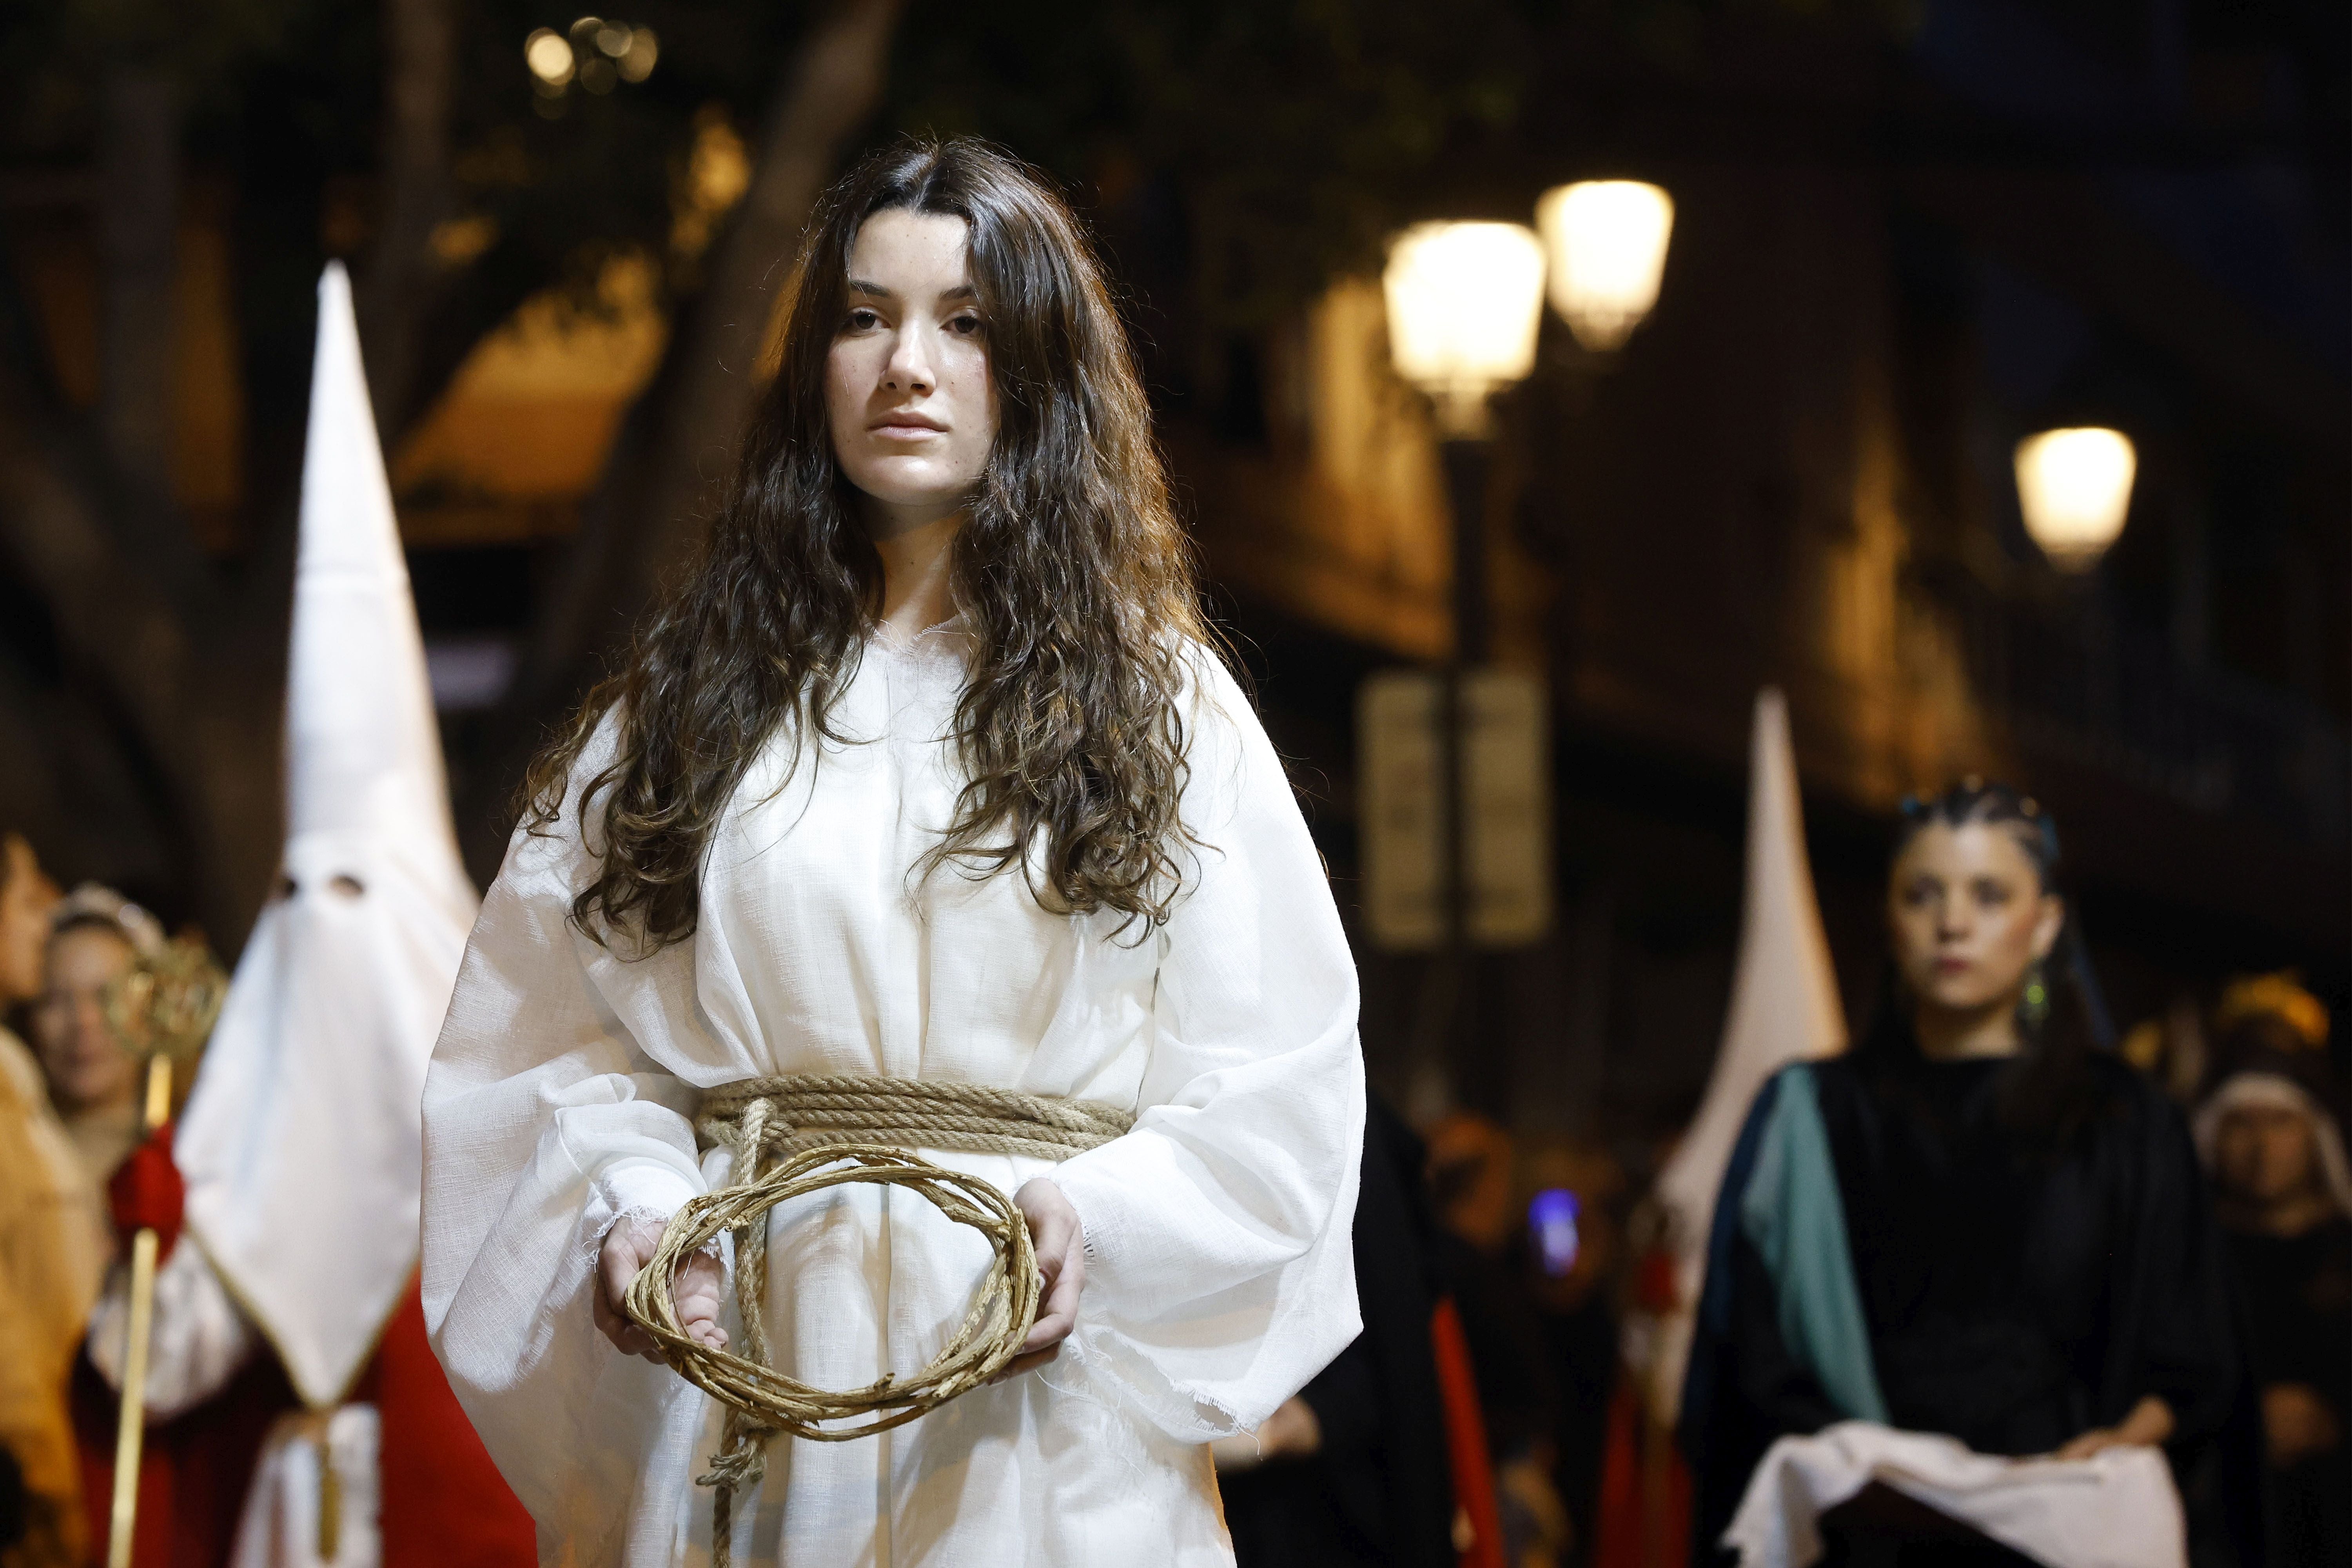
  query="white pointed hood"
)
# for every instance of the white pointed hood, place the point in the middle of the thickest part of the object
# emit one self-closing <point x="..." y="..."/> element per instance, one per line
<point x="302" y="1142"/>
<point x="1784" y="1008"/>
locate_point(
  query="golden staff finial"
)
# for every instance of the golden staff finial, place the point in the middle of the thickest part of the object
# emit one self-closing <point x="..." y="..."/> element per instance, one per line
<point x="163" y="1009"/>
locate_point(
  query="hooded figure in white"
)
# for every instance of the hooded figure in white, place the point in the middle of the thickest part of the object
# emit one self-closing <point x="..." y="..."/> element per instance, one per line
<point x="302" y="1144"/>
<point x="1784" y="1008"/>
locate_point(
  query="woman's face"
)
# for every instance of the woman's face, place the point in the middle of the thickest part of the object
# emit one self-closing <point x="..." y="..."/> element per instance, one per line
<point x="1968" y="916"/>
<point x="87" y="1070"/>
<point x="2264" y="1153"/>
<point x="907" y="393"/>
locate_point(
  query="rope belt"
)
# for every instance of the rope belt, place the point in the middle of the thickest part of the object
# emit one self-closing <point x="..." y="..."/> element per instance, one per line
<point x="804" y="1132"/>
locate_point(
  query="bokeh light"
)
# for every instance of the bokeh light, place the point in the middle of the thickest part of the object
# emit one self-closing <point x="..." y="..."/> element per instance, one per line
<point x="549" y="55"/>
<point x="636" y="61"/>
<point x="597" y="53"/>
<point x="1464" y="303"/>
<point x="2074" y="487"/>
<point x="1607" y="240"/>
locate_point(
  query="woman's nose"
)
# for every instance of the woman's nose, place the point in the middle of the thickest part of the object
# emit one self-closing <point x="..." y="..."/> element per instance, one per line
<point x="909" y="369"/>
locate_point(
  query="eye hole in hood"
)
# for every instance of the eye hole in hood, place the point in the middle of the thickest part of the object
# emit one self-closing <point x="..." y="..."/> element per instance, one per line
<point x="347" y="885"/>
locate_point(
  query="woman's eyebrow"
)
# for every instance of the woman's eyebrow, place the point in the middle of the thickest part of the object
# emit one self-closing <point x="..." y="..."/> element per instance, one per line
<point x="876" y="292"/>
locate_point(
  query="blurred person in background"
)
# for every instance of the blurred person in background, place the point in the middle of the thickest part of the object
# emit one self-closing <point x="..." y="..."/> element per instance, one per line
<point x="1482" y="1248"/>
<point x="1574" y="1247"/>
<point x="296" y="1412"/>
<point x="53" y="1247"/>
<point x="2028" y="1241"/>
<point x="95" y="935"/>
<point x="1352" y="1470"/>
<point x="210" y="1396"/>
<point x="2284" y="1195"/>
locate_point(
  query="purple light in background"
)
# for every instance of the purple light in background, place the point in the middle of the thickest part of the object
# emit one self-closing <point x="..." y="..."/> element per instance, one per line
<point x="1551" y="1223"/>
<point x="469" y="673"/>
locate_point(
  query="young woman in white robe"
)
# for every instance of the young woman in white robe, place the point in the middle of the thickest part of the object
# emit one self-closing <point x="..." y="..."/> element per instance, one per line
<point x="928" y="772"/>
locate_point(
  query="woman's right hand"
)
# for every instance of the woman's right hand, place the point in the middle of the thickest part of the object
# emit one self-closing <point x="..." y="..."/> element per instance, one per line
<point x="629" y="1246"/>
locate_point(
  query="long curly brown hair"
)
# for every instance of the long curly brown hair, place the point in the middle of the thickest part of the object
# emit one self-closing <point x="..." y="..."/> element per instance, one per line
<point x="1074" y="577"/>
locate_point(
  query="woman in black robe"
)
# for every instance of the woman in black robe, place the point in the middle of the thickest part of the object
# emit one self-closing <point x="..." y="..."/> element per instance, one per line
<point x="2037" y="1265"/>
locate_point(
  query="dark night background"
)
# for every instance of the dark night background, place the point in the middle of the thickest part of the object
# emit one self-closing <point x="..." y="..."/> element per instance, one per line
<point x="1907" y="235"/>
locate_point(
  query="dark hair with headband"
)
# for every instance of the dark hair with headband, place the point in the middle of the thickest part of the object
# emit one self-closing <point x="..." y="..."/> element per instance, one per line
<point x="2061" y="1017"/>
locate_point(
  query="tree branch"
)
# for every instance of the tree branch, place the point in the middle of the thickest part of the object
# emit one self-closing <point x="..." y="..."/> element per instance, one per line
<point x="678" y="441"/>
<point x="404" y="277"/>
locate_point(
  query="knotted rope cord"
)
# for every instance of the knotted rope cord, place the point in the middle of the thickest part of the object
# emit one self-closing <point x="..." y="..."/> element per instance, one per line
<point x="791" y="1135"/>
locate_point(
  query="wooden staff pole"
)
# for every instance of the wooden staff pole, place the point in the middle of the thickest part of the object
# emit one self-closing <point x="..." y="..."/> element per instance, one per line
<point x="131" y="1428"/>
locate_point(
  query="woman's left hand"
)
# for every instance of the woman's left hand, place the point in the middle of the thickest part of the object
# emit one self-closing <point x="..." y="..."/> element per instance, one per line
<point x="2149" y="1423"/>
<point x="1060" y="1238"/>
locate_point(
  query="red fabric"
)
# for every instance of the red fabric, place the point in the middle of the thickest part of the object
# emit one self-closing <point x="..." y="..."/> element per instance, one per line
<point x="146" y="1193"/>
<point x="1655" y="1289"/>
<point x="1465" y="1437"/>
<point x="444" y="1504"/>
<point x="1645" y="1507"/>
<point x="193" y="1471"/>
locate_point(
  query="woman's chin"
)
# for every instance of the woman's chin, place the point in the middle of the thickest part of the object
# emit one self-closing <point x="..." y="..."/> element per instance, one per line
<point x="912" y="484"/>
<point x="1962" y="999"/>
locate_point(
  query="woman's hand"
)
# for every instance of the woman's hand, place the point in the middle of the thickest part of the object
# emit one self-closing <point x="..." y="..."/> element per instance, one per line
<point x="629" y="1246"/>
<point x="1292" y="1432"/>
<point x="1060" y="1239"/>
<point x="2149" y="1423"/>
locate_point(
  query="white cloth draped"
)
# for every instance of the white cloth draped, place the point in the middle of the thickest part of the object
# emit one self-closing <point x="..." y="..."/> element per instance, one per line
<point x="282" y="1526"/>
<point x="200" y="1339"/>
<point x="2116" y="1509"/>
<point x="1220" y="1277"/>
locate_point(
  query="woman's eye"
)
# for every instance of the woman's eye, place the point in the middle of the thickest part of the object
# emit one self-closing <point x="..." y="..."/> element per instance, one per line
<point x="1992" y="895"/>
<point x="967" y="326"/>
<point x="863" y="320"/>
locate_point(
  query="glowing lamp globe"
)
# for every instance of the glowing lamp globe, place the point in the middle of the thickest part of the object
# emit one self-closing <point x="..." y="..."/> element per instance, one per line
<point x="1607" y="240"/>
<point x="2074" y="487"/>
<point x="1464" y="303"/>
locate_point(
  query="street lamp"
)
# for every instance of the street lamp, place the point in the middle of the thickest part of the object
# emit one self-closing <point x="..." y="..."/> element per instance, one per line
<point x="1607" y="242"/>
<point x="1464" y="301"/>
<point x="2074" y="487"/>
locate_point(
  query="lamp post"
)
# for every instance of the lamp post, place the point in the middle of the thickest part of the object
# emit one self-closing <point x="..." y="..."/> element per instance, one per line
<point x="2074" y="487"/>
<point x="1465" y="304"/>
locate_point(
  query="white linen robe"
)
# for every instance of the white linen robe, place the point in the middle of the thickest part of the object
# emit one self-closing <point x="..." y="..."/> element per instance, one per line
<point x="1219" y="1272"/>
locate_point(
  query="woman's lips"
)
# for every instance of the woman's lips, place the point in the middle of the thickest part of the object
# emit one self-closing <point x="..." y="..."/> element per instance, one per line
<point x="906" y="428"/>
<point x="1952" y="966"/>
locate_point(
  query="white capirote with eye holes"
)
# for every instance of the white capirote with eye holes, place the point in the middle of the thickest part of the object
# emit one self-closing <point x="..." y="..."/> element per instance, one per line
<point x="302" y="1144"/>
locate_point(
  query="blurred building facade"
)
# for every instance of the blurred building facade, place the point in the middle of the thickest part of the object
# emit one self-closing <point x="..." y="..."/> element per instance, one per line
<point x="1889" y="264"/>
<point x="1901" y="245"/>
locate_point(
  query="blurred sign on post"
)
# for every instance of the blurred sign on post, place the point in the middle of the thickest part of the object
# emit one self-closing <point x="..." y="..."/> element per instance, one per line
<point x="1507" y="825"/>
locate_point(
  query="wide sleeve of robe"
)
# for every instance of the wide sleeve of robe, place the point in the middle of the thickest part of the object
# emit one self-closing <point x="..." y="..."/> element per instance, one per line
<point x="1219" y="1277"/>
<point x="545" y="1119"/>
